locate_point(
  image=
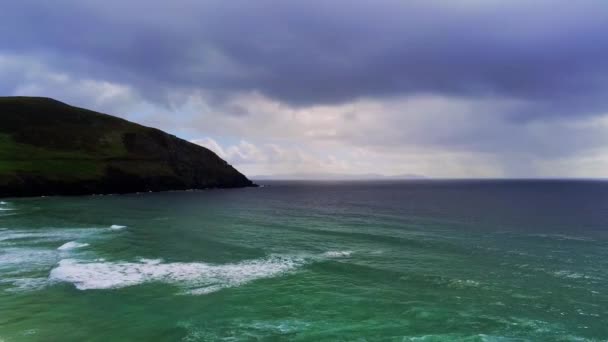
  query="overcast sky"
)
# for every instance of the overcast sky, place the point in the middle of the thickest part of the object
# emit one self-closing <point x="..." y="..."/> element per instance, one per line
<point x="468" y="88"/>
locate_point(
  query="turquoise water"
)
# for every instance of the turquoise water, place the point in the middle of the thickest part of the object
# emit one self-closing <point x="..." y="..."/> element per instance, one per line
<point x="410" y="261"/>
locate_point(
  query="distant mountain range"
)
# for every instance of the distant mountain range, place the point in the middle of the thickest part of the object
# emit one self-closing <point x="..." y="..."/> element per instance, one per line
<point x="50" y="148"/>
<point x="336" y="176"/>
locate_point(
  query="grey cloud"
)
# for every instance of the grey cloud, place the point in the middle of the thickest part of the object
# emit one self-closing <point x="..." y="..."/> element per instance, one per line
<point x="552" y="55"/>
<point x="510" y="83"/>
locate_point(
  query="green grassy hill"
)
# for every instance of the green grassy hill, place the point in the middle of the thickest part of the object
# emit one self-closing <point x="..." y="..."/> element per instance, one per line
<point x="50" y="148"/>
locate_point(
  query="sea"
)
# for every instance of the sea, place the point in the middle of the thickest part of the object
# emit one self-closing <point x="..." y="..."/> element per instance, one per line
<point x="419" y="260"/>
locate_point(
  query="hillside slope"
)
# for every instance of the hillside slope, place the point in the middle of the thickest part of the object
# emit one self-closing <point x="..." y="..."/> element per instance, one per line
<point x="50" y="148"/>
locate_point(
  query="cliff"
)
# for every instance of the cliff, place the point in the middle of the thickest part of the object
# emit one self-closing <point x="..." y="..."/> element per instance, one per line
<point x="50" y="148"/>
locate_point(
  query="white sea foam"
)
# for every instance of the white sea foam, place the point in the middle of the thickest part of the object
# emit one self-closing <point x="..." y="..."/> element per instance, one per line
<point x="29" y="332"/>
<point x="458" y="337"/>
<point x="25" y="252"/>
<point x="47" y="234"/>
<point x="72" y="245"/>
<point x="463" y="283"/>
<point x="117" y="227"/>
<point x="6" y="209"/>
<point x="337" y="254"/>
<point x="562" y="237"/>
<point x="197" y="278"/>
<point x="572" y="275"/>
<point x="148" y="261"/>
<point x="15" y="258"/>
<point x="3" y="203"/>
<point x="276" y="326"/>
<point x="25" y="284"/>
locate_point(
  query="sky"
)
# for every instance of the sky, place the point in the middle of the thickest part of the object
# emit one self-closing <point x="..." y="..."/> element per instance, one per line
<point x="448" y="89"/>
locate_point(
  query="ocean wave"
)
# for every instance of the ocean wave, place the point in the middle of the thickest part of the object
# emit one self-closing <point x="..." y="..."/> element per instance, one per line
<point x="279" y="326"/>
<point x="196" y="277"/>
<point x="541" y="334"/>
<point x="117" y="227"/>
<point x="458" y="337"/>
<point x="255" y="330"/>
<point x="15" y="258"/>
<point x="72" y="245"/>
<point x="562" y="237"/>
<point x="567" y="274"/>
<point x="46" y="234"/>
<point x="25" y="284"/>
<point x="463" y="283"/>
<point x="26" y="255"/>
<point x="337" y="254"/>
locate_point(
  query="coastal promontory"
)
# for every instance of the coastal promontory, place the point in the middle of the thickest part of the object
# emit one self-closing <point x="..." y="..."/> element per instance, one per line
<point x="50" y="148"/>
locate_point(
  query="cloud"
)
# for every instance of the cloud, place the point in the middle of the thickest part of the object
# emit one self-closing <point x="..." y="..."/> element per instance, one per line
<point x="423" y="122"/>
<point x="269" y="159"/>
<point x="23" y="75"/>
<point x="548" y="54"/>
<point x="243" y="153"/>
<point x="469" y="88"/>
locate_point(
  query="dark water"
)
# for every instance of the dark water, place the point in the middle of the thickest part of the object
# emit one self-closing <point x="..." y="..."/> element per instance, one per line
<point x="304" y="261"/>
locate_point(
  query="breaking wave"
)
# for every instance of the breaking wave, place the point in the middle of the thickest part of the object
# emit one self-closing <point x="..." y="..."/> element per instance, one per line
<point x="72" y="245"/>
<point x="337" y="254"/>
<point x="198" y="278"/>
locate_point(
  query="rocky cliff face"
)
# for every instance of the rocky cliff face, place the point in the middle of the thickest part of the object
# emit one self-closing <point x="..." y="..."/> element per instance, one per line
<point x="50" y="148"/>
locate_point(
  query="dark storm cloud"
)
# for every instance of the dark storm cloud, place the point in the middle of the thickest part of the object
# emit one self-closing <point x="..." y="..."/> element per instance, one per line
<point x="551" y="55"/>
